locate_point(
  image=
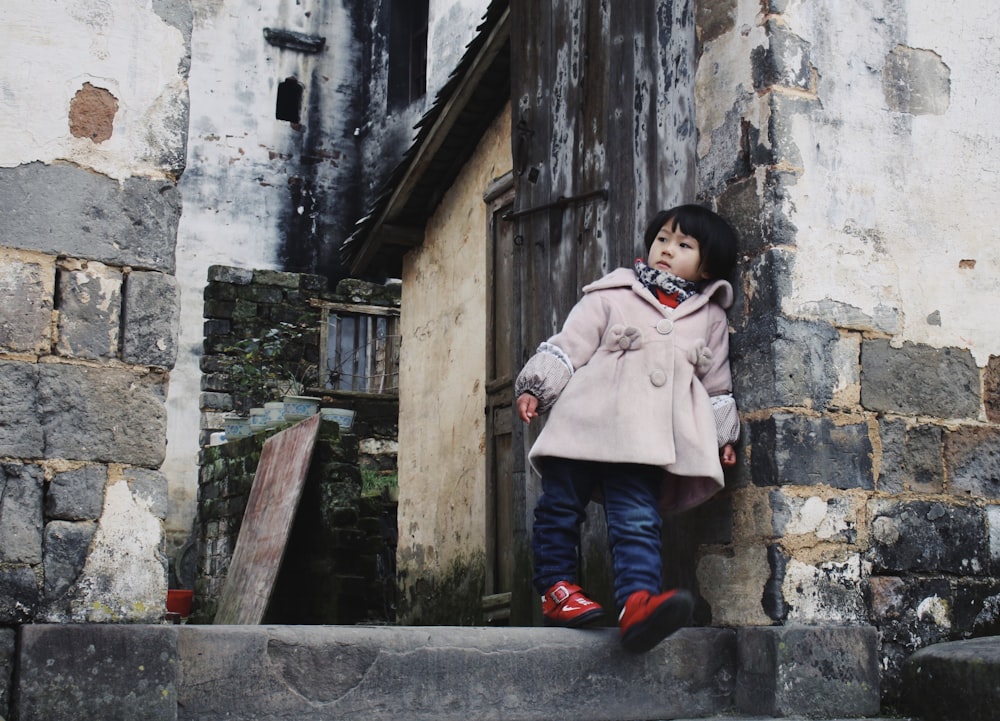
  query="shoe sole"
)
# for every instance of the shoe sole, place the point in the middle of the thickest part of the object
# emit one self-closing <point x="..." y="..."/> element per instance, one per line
<point x="584" y="619"/>
<point x="672" y="615"/>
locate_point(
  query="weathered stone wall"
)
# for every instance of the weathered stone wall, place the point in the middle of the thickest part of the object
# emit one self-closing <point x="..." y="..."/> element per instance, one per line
<point x="865" y="347"/>
<point x="94" y="130"/>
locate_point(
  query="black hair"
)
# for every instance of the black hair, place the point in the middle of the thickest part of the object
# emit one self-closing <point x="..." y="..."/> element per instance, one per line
<point x="716" y="238"/>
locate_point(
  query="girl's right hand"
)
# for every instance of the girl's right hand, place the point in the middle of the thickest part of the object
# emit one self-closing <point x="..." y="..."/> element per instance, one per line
<point x="527" y="406"/>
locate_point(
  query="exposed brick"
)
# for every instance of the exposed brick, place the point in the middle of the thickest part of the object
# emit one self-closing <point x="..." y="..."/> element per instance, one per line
<point x="789" y="449"/>
<point x="911" y="457"/>
<point x="972" y="459"/>
<point x="228" y="275"/>
<point x="928" y="537"/>
<point x="919" y="380"/>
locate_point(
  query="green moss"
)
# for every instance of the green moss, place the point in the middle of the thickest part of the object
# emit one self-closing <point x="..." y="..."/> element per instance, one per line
<point x="453" y="598"/>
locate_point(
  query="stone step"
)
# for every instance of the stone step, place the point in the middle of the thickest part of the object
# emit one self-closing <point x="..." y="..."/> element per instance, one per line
<point x="955" y="681"/>
<point x="315" y="673"/>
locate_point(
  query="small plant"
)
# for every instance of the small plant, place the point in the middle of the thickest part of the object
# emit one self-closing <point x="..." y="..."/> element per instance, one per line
<point x="270" y="366"/>
<point x="374" y="482"/>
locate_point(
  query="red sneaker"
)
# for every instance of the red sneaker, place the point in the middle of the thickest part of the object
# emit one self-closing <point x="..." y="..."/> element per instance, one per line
<point x="565" y="605"/>
<point x="647" y="619"/>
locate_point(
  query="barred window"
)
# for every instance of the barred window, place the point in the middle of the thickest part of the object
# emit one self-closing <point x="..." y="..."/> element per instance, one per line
<point x="359" y="348"/>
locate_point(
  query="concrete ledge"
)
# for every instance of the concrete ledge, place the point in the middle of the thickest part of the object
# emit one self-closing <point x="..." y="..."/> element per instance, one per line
<point x="309" y="673"/>
<point x="955" y="681"/>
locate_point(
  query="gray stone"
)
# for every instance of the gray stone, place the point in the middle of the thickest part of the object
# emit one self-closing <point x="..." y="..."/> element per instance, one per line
<point x="916" y="81"/>
<point x="919" y="380"/>
<point x="21" y="434"/>
<point x="813" y="671"/>
<point x="19" y="594"/>
<point x="785" y="61"/>
<point x="94" y="671"/>
<point x="102" y="414"/>
<point x="790" y="449"/>
<point x="149" y="488"/>
<point x="229" y="274"/>
<point x="955" y="681"/>
<point x="972" y="460"/>
<point x="66" y="546"/>
<point x="928" y="537"/>
<point x="26" y="306"/>
<point x="216" y="401"/>
<point x="21" y="492"/>
<point x="70" y="211"/>
<point x="7" y="647"/>
<point x="911" y="457"/>
<point x="151" y="319"/>
<point x="89" y="312"/>
<point x="442" y="673"/>
<point x="77" y="495"/>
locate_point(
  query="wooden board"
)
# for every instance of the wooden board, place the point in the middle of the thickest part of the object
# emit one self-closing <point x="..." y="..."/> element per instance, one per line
<point x="267" y="521"/>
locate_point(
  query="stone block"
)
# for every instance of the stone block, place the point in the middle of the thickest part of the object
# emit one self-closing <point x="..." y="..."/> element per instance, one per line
<point x="66" y="546"/>
<point x="784" y="62"/>
<point x="77" y="495"/>
<point x="789" y="449"/>
<point x="834" y="519"/>
<point x="19" y="594"/>
<point x="911" y="457"/>
<point x="972" y="462"/>
<point x="448" y="673"/>
<point x="919" y="380"/>
<point x="803" y="590"/>
<point x="149" y="489"/>
<point x="8" y="638"/>
<point x="991" y="389"/>
<point x="955" y="681"/>
<point x="70" y="211"/>
<point x="27" y="289"/>
<point x="21" y="494"/>
<point x="103" y="414"/>
<point x="229" y="274"/>
<point x="820" y="671"/>
<point x="928" y="537"/>
<point x="21" y="434"/>
<point x="89" y="301"/>
<point x="94" y="671"/>
<point x="278" y="278"/>
<point x="151" y="319"/>
<point x="786" y="363"/>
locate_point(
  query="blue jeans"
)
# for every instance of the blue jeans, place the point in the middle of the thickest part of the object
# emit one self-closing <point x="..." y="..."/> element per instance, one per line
<point x="630" y="493"/>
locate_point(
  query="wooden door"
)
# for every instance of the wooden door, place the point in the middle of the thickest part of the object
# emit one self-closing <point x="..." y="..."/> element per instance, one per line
<point x="508" y="587"/>
<point x="603" y="136"/>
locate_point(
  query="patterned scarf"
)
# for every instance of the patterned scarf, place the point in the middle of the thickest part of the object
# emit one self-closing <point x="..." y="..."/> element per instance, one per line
<point x="667" y="282"/>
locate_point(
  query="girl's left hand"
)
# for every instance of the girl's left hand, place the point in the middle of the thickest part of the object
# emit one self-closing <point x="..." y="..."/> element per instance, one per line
<point x="727" y="454"/>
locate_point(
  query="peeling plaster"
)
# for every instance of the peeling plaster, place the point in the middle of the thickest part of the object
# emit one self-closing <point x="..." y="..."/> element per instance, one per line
<point x="96" y="40"/>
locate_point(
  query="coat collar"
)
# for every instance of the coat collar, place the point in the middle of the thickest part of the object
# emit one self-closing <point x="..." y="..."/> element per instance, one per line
<point x="718" y="291"/>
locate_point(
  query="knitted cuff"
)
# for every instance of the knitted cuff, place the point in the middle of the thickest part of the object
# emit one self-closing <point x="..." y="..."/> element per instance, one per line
<point x="727" y="419"/>
<point x="544" y="376"/>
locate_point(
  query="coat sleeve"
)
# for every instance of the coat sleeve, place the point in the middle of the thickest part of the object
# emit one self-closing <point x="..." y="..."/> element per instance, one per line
<point x="548" y="371"/>
<point x="718" y="380"/>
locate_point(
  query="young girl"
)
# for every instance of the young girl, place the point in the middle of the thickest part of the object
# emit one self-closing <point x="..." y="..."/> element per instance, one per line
<point x="639" y="395"/>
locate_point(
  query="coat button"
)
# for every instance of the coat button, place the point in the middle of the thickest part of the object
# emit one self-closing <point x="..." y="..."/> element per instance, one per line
<point x="664" y="326"/>
<point x="657" y="378"/>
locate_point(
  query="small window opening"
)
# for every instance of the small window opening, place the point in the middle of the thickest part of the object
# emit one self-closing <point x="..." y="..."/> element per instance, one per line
<point x="289" y="105"/>
<point x="359" y="351"/>
<point x="407" y="52"/>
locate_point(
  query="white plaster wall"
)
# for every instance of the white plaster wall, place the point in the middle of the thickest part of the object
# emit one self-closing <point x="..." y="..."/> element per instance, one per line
<point x="235" y="187"/>
<point x="902" y="209"/>
<point x="895" y="212"/>
<point x="451" y="26"/>
<point x="51" y="48"/>
<point x="442" y="462"/>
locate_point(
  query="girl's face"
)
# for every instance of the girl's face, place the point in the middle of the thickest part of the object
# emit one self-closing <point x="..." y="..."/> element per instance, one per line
<point x="676" y="253"/>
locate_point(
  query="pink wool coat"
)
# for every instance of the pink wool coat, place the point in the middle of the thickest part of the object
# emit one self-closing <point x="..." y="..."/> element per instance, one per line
<point x="639" y="393"/>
